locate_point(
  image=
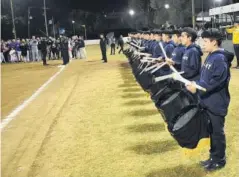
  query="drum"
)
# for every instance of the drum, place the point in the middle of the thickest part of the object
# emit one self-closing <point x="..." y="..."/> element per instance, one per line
<point x="145" y="80"/>
<point x="191" y="126"/>
<point x="172" y="106"/>
<point x="164" y="89"/>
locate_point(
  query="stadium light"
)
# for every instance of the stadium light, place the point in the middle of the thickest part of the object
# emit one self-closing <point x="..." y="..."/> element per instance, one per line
<point x="131" y="12"/>
<point x="166" y="6"/>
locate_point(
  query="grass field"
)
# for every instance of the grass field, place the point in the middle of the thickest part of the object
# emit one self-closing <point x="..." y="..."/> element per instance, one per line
<point x="94" y="120"/>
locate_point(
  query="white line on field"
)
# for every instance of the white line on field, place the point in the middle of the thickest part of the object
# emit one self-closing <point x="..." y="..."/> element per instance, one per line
<point x="17" y="110"/>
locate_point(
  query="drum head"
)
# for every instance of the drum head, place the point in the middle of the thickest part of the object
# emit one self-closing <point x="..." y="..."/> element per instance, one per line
<point x="171" y="98"/>
<point x="184" y="119"/>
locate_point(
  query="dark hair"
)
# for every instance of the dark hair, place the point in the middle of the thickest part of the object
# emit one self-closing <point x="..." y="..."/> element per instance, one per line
<point x="213" y="34"/>
<point x="193" y="38"/>
<point x="219" y="41"/>
<point x="190" y="32"/>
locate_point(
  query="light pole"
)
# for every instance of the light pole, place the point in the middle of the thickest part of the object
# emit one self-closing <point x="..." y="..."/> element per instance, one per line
<point x="202" y="12"/>
<point x="44" y="3"/>
<point x="29" y="21"/>
<point x="214" y="17"/>
<point x="73" y="25"/>
<point x="193" y="13"/>
<point x="131" y="13"/>
<point x="85" y="31"/>
<point x="13" y="21"/>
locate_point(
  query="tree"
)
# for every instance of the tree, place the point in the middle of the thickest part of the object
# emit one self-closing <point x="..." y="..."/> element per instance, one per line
<point x="178" y="13"/>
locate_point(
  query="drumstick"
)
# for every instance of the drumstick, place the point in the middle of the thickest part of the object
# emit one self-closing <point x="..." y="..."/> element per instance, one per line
<point x="160" y="66"/>
<point x="185" y="81"/>
<point x="177" y="76"/>
<point x="151" y="67"/>
<point x="161" y="78"/>
<point x="144" y="69"/>
<point x="144" y="54"/>
<point x="141" y="48"/>
<point x="154" y="59"/>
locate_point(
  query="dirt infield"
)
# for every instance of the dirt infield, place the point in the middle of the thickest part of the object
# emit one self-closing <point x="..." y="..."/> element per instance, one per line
<point x="93" y="120"/>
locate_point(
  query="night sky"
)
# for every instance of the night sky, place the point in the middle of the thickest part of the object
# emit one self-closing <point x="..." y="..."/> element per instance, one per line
<point x="92" y="5"/>
<point x="60" y="10"/>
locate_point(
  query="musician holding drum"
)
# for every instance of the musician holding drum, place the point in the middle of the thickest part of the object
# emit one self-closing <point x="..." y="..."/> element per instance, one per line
<point x="215" y="77"/>
<point x="191" y="62"/>
<point x="178" y="52"/>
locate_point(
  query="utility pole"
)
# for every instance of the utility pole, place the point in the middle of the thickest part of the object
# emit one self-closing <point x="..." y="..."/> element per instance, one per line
<point x="44" y="2"/>
<point x="13" y="21"/>
<point x="53" y="28"/>
<point x="29" y="22"/>
<point x="193" y="13"/>
<point x="202" y="12"/>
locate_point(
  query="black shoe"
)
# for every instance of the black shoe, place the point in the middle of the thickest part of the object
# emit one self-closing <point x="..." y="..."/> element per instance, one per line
<point x="206" y="162"/>
<point x="215" y="166"/>
<point x="45" y="64"/>
<point x="104" y="61"/>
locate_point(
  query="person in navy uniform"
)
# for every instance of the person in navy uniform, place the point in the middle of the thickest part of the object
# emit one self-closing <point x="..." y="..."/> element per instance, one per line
<point x="103" y="44"/>
<point x="215" y="77"/>
<point x="191" y="62"/>
<point x="146" y="41"/>
<point x="169" y="45"/>
<point x="157" y="52"/>
<point x="152" y="42"/>
<point x="178" y="52"/>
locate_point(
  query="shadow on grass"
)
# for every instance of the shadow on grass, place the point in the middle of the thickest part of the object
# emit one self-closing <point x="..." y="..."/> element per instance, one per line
<point x="128" y="85"/>
<point x="142" y="128"/>
<point x="129" y="81"/>
<point x="179" y="171"/>
<point x="133" y="95"/>
<point x="144" y="113"/>
<point x="137" y="102"/>
<point x="92" y="61"/>
<point x="125" y="65"/>
<point x="132" y="90"/>
<point x="154" y="147"/>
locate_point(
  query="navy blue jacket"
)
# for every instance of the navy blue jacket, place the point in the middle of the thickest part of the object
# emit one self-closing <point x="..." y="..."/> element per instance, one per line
<point x="151" y="46"/>
<point x="177" y="56"/>
<point x="215" y="77"/>
<point x="157" y="52"/>
<point x="146" y="45"/>
<point x="191" y="63"/>
<point x="169" y="48"/>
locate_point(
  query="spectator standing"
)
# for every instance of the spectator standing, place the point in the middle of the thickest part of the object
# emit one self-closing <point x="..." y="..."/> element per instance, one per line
<point x="112" y="45"/>
<point x="82" y="48"/>
<point x="34" y="48"/>
<point x="24" y="48"/>
<point x="121" y="44"/>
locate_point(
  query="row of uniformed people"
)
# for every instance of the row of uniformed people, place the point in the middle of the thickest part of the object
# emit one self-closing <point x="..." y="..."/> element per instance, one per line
<point x="214" y="76"/>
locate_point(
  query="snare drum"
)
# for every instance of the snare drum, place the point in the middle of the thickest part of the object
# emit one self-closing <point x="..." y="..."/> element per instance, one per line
<point x="172" y="106"/>
<point x="191" y="126"/>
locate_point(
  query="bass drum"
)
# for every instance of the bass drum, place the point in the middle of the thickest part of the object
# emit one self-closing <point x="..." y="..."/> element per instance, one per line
<point x="190" y="127"/>
<point x="169" y="87"/>
<point x="172" y="107"/>
<point x="145" y="80"/>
